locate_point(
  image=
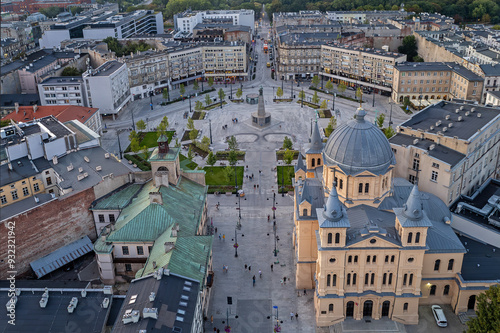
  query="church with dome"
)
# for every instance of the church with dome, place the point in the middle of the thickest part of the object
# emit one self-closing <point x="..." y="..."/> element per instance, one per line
<point x="369" y="244"/>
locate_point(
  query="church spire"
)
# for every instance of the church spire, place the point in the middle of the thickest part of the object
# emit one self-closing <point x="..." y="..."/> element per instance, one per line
<point x="333" y="207"/>
<point x="316" y="145"/>
<point x="413" y="207"/>
<point x="300" y="163"/>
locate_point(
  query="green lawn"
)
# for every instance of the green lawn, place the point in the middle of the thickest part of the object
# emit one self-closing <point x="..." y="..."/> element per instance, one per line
<point x="186" y="163"/>
<point x="149" y="139"/>
<point x="289" y="173"/>
<point x="216" y="180"/>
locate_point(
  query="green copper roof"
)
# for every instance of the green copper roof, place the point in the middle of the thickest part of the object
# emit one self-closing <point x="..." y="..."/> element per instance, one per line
<point x="119" y="199"/>
<point x="170" y="156"/>
<point x="162" y="138"/>
<point x="191" y="257"/>
<point x="158" y="254"/>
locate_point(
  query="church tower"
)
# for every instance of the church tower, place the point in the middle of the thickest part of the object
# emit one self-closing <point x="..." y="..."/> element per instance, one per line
<point x="165" y="165"/>
<point x="313" y="154"/>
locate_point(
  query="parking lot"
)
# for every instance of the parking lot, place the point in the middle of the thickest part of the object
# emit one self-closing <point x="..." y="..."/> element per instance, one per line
<point x="427" y="324"/>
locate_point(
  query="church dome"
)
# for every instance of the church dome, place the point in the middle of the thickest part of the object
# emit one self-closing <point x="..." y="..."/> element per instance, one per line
<point x="357" y="146"/>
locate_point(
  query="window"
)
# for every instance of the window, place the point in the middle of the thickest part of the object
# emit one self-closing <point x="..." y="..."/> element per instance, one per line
<point x="25" y="191"/>
<point x="386" y="258"/>
<point x="36" y="187"/>
<point x="49" y="180"/>
<point x="330" y="238"/>
<point x="436" y="265"/>
<point x="405" y="307"/>
<point x="392" y="259"/>
<point x="416" y="164"/>
<point x="349" y="279"/>
<point x="433" y="290"/>
<point x="337" y="238"/>
<point x="111" y="218"/>
<point x="368" y="259"/>
<point x="374" y="260"/>
<point x="446" y="290"/>
<point x="450" y="264"/>
<point x="14" y="195"/>
<point x="128" y="267"/>
<point x="140" y="250"/>
<point x="410" y="281"/>
<point x="410" y="236"/>
<point x="367" y="276"/>
<point x="417" y="237"/>
<point x="434" y="176"/>
<point x="360" y="188"/>
<point x="384" y="279"/>
<point x="330" y="308"/>
<point x="304" y="212"/>
<point x="355" y="259"/>
<point x="354" y="279"/>
<point x="328" y="278"/>
<point x="390" y="278"/>
<point x="334" y="280"/>
<point x="349" y="259"/>
<point x="125" y="250"/>
<point x="435" y="165"/>
<point x="367" y="187"/>
<point x="372" y="280"/>
<point x="101" y="217"/>
<point x="3" y="199"/>
<point x="341" y="184"/>
<point x="405" y="278"/>
<point x="150" y="248"/>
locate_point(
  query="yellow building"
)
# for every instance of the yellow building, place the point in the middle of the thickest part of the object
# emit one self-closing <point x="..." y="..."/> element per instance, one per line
<point x="378" y="247"/>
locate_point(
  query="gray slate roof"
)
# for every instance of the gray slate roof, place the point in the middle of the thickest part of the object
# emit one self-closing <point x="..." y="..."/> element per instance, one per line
<point x="312" y="192"/>
<point x="300" y="164"/>
<point x="480" y="262"/>
<point x="316" y="144"/>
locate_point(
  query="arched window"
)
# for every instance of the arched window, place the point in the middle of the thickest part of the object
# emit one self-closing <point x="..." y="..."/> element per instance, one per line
<point x="392" y="259"/>
<point x="312" y="162"/>
<point x="410" y="281"/>
<point x="360" y="188"/>
<point x="304" y="212"/>
<point x="384" y="279"/>
<point x="367" y="276"/>
<point x="410" y="236"/>
<point x="328" y="278"/>
<point x="386" y="258"/>
<point x="341" y="183"/>
<point x="372" y="280"/>
<point x="349" y="279"/>
<point x="330" y="308"/>
<point x="405" y="278"/>
<point x="450" y="264"/>
<point x="337" y="238"/>
<point x="405" y="307"/>
<point x="354" y="279"/>
<point x="417" y="237"/>
<point x="355" y="259"/>
<point x="374" y="259"/>
<point x="437" y="263"/>
<point x="336" y="181"/>
<point x="368" y="259"/>
<point x="319" y="161"/>
<point x="446" y="290"/>
<point x="433" y="290"/>
<point x="390" y="278"/>
<point x="349" y="259"/>
<point x="330" y="236"/>
<point x="334" y="280"/>
<point x="367" y="187"/>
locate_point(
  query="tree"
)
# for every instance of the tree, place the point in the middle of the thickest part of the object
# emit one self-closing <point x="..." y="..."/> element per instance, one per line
<point x="165" y="94"/>
<point x="232" y="144"/>
<point x="190" y="153"/>
<point x="315" y="81"/>
<point x="329" y="85"/>
<point x="279" y="92"/>
<point x="210" y="82"/>
<point x="141" y="125"/>
<point x="232" y="158"/>
<point x="359" y="94"/>
<point x="165" y="121"/>
<point x="134" y="145"/>
<point x="195" y="85"/>
<point x="182" y="89"/>
<point x="496" y="27"/>
<point x="190" y="124"/>
<point x="221" y="94"/>
<point x="208" y="100"/>
<point x="389" y="132"/>
<point x="302" y="94"/>
<point x="205" y="143"/>
<point x="239" y="92"/>
<point x="228" y="173"/>
<point x="51" y="12"/>
<point x="341" y="87"/>
<point x="193" y="134"/>
<point x="409" y="47"/>
<point x="161" y="130"/>
<point x="488" y="312"/>
<point x="132" y="135"/>
<point x="418" y="58"/>
<point x="211" y="160"/>
<point x="324" y="105"/>
<point x="332" y="124"/>
<point x="288" y="156"/>
<point x="315" y="98"/>
<point x="76" y="10"/>
<point x="380" y="120"/>
<point x="70" y="71"/>
<point x="287" y="143"/>
<point x="145" y="151"/>
<point x="198" y="105"/>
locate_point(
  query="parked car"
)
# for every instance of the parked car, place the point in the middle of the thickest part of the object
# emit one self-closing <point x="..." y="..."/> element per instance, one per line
<point x="439" y="316"/>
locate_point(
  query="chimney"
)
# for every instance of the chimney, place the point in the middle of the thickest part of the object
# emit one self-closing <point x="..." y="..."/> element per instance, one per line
<point x="35" y="107"/>
<point x="16" y="105"/>
<point x="169" y="246"/>
<point x="155" y="198"/>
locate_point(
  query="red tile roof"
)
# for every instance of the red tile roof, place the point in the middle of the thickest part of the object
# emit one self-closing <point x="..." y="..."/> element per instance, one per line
<point x="63" y="113"/>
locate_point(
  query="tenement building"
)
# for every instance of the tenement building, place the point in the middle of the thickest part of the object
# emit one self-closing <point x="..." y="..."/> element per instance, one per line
<point x="377" y="246"/>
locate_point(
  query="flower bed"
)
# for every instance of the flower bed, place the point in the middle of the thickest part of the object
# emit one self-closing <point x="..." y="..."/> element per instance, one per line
<point x="224" y="155"/>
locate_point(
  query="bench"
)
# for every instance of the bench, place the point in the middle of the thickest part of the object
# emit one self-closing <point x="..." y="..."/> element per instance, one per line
<point x="229" y="194"/>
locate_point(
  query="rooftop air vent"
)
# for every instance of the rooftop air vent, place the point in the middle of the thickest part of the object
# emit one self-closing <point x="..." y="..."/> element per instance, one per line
<point x="415" y="141"/>
<point x="86" y="159"/>
<point x="72" y="305"/>
<point x="479" y="115"/>
<point x="460" y="118"/>
<point x="105" y="303"/>
<point x="457" y="110"/>
<point x="432" y="128"/>
<point x="438" y="123"/>
<point x="450" y="125"/>
<point x="467" y="113"/>
<point x="152" y="296"/>
<point x="445" y="129"/>
<point x="462" y="107"/>
<point x="447" y="117"/>
<point x="431" y="147"/>
<point x="472" y="110"/>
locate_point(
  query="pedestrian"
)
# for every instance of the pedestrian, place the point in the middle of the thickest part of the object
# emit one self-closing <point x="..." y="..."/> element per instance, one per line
<point x="215" y="229"/>
<point x="284" y="280"/>
<point x="281" y="281"/>
<point x="296" y="315"/>
<point x="260" y="273"/>
<point x="212" y="319"/>
<point x="291" y="315"/>
<point x="252" y="175"/>
<point x="249" y="268"/>
<point x="246" y="267"/>
<point x="215" y="329"/>
<point x="227" y="268"/>
<point x="224" y="237"/>
<point x="218" y="330"/>
<point x="254" y="186"/>
<point x="272" y="266"/>
<point x="305" y="292"/>
<point x="253" y="279"/>
<point x="268" y="217"/>
<point x="220" y="236"/>
<point x="218" y="203"/>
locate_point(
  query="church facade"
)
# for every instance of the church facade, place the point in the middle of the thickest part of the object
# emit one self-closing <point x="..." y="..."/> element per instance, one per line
<point x="371" y="245"/>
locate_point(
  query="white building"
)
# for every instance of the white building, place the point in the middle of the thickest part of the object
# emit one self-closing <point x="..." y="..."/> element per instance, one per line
<point x="492" y="98"/>
<point x="107" y="87"/>
<point x="187" y="20"/>
<point x="62" y="91"/>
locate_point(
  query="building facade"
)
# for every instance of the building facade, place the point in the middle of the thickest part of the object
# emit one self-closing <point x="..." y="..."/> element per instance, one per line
<point x="187" y="20"/>
<point x="62" y="91"/>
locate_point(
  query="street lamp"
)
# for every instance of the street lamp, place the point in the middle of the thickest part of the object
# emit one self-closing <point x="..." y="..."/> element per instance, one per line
<point x="235" y="244"/>
<point x="190" y="104"/>
<point x="333" y="102"/>
<point x="210" y="128"/>
<point x="133" y="122"/>
<point x="373" y="100"/>
<point x="302" y="99"/>
<point x="119" y="143"/>
<point x="275" y="239"/>
<point x="151" y="99"/>
<point x="291" y="84"/>
<point x="202" y="79"/>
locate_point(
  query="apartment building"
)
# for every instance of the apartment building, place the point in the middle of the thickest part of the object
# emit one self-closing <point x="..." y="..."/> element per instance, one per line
<point x="185" y="63"/>
<point x="227" y="62"/>
<point x="492" y="98"/>
<point x="355" y="66"/>
<point x="450" y="149"/>
<point x="435" y="81"/>
<point x="303" y="17"/>
<point x="491" y="74"/>
<point x="63" y="91"/>
<point x="363" y="16"/>
<point x="107" y="87"/>
<point x="186" y="21"/>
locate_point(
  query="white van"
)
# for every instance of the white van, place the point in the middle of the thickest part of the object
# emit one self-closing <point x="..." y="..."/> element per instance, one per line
<point x="439" y="316"/>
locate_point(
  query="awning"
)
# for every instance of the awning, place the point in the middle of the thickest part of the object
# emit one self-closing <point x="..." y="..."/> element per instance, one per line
<point x="61" y="256"/>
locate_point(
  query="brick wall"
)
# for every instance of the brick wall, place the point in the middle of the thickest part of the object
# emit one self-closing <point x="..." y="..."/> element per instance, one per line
<point x="44" y="229"/>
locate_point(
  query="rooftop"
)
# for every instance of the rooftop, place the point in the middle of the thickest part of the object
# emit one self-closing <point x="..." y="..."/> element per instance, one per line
<point x="473" y="118"/>
<point x="63" y="113"/>
<point x="490" y="69"/>
<point x="439" y="152"/>
<point x="107" y="69"/>
<point x="62" y="80"/>
<point x="481" y="262"/>
<point x="438" y="66"/>
<point x="22" y="168"/>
